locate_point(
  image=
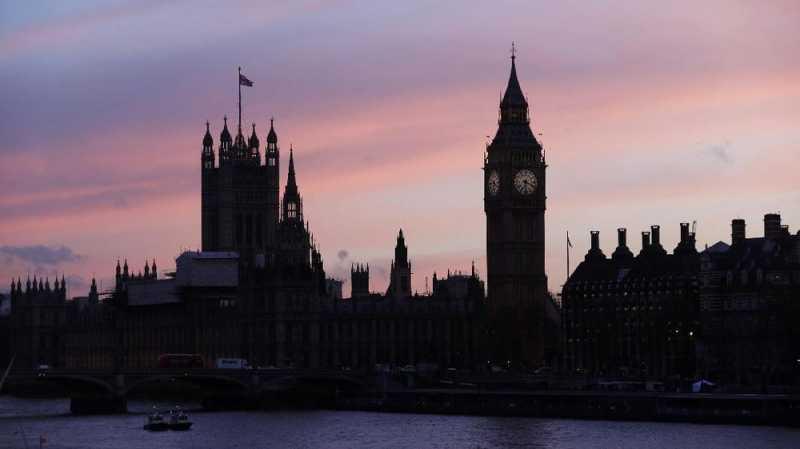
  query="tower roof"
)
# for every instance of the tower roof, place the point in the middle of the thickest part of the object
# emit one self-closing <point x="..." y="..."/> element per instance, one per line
<point x="207" y="139"/>
<point x="225" y="135"/>
<point x="253" y="142"/>
<point x="272" y="137"/>
<point x="513" y="96"/>
<point x="291" y="181"/>
<point x="514" y="129"/>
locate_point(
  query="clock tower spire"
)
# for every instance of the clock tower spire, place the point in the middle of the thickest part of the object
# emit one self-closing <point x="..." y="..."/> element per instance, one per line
<point x="514" y="203"/>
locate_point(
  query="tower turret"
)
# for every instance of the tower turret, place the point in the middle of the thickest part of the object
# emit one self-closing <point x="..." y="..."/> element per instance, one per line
<point x="207" y="156"/>
<point x="239" y="145"/>
<point x="292" y="201"/>
<point x="225" y="142"/>
<point x="94" y="296"/>
<point x="359" y="280"/>
<point x="400" y="276"/>
<point x="253" y="144"/>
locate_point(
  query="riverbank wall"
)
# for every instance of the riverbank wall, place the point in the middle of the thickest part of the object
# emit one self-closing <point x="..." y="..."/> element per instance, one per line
<point x="782" y="410"/>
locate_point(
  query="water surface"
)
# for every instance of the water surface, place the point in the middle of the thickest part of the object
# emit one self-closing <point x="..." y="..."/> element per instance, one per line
<point x="357" y="430"/>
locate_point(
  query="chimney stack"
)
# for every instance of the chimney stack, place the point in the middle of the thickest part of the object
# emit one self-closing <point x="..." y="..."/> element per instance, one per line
<point x="772" y="226"/>
<point x="684" y="232"/>
<point x="622" y="253"/>
<point x="595" y="253"/>
<point x="738" y="234"/>
<point x="655" y="235"/>
<point x="645" y="240"/>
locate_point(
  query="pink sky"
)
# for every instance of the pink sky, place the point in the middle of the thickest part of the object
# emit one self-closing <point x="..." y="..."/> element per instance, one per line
<point x="649" y="116"/>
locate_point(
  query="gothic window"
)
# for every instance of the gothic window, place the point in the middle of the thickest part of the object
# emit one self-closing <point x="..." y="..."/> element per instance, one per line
<point x="292" y="210"/>
<point x="271" y="161"/>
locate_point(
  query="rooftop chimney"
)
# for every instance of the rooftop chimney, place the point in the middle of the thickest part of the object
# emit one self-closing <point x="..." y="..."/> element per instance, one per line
<point x="595" y="253"/>
<point x="772" y="226"/>
<point x="684" y="232"/>
<point x="645" y="240"/>
<point x="622" y="253"/>
<point x="656" y="235"/>
<point x="738" y="234"/>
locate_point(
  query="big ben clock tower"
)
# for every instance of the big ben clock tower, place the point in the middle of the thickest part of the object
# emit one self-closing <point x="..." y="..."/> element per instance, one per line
<point x="514" y="202"/>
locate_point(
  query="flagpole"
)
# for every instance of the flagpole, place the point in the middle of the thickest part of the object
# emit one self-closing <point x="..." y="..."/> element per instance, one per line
<point x="565" y="281"/>
<point x="239" y="82"/>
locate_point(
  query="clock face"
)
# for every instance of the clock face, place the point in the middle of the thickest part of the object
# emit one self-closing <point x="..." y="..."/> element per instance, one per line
<point x="525" y="182"/>
<point x="493" y="184"/>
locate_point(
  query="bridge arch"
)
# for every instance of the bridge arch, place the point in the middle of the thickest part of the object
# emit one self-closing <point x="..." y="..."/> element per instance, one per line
<point x="202" y="380"/>
<point x="77" y="384"/>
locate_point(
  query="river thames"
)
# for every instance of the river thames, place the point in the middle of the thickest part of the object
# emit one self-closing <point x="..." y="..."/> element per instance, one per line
<point x="23" y="421"/>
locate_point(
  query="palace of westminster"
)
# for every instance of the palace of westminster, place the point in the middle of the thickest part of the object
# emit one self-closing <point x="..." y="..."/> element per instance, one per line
<point x="258" y="289"/>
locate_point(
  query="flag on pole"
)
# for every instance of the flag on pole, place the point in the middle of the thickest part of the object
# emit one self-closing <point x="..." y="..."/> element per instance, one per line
<point x="243" y="81"/>
<point x="569" y="243"/>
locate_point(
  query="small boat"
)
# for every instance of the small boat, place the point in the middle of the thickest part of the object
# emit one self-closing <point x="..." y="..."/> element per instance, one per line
<point x="178" y="420"/>
<point x="155" y="423"/>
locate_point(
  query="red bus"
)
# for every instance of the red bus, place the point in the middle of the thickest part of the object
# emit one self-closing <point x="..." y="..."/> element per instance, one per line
<point x="180" y="361"/>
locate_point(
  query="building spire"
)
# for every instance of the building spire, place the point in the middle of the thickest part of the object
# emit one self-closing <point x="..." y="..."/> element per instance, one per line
<point x="254" y="142"/>
<point x="225" y="135"/>
<point x="513" y="96"/>
<point x="271" y="136"/>
<point x="291" y="182"/>
<point x="208" y="141"/>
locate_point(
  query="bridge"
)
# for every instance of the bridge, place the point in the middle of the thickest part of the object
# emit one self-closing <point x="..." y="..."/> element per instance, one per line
<point x="103" y="391"/>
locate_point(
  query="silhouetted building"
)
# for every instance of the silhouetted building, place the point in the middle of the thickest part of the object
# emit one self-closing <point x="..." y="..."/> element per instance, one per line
<point x="262" y="293"/>
<point x="750" y="307"/>
<point x="633" y="316"/>
<point x="514" y="202"/>
<point x="239" y="203"/>
<point x="38" y="314"/>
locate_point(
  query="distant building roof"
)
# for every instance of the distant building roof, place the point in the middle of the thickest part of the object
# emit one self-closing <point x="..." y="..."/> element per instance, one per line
<point x="207" y="269"/>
